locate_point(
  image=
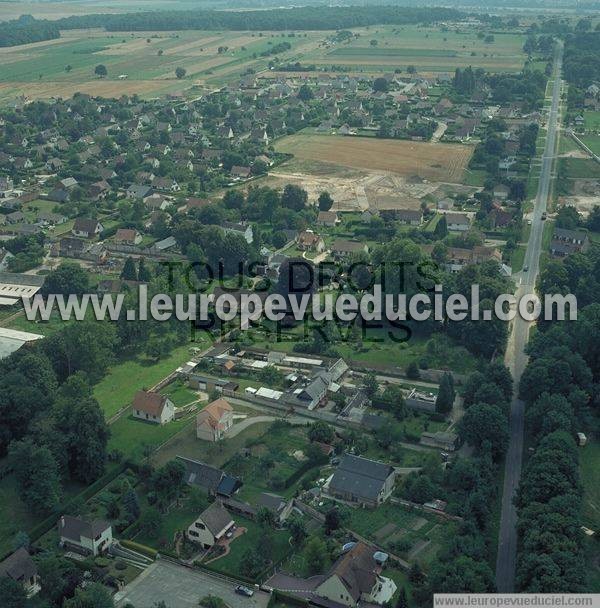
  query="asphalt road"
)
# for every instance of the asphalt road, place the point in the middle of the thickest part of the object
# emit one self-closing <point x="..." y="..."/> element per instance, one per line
<point x="516" y="360"/>
<point x="181" y="587"/>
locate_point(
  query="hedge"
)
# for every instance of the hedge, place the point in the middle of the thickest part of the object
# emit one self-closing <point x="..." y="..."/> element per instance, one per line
<point x="239" y="577"/>
<point x="139" y="548"/>
<point x="47" y="524"/>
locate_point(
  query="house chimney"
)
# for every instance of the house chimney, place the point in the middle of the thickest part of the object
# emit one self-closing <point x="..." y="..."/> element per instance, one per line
<point x="62" y="521"/>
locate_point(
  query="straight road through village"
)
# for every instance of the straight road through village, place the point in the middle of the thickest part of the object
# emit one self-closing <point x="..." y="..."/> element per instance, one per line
<point x="515" y="359"/>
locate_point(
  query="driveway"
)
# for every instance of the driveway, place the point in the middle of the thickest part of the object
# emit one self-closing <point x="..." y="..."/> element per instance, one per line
<point x="181" y="587"/>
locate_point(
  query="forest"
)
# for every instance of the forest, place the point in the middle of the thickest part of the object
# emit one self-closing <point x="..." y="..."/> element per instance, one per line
<point x="26" y="29"/>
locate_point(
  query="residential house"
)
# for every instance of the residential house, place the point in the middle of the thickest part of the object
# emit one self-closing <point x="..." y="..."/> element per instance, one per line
<point x="362" y="481"/>
<point x="458" y="222"/>
<point x="19" y="567"/>
<point x="237" y="172"/>
<point x="59" y="195"/>
<point x="86" y="228"/>
<point x="128" y="236"/>
<point x="410" y="217"/>
<point x="47" y="218"/>
<point x="68" y="182"/>
<point x="15" y="217"/>
<point x="153" y="407"/>
<point x="157" y="202"/>
<point x="4" y="258"/>
<point x="565" y="242"/>
<point x="6" y="186"/>
<point x="327" y="218"/>
<point x="212" y="525"/>
<point x="355" y="579"/>
<point x="138" y="191"/>
<point x="309" y="241"/>
<point x="342" y="248"/>
<point x="213" y="422"/>
<point x="243" y="229"/>
<point x="213" y="481"/>
<point x="440" y="440"/>
<point x="165" y="184"/>
<point x="85" y="537"/>
<point x="279" y="506"/>
<point x="501" y="191"/>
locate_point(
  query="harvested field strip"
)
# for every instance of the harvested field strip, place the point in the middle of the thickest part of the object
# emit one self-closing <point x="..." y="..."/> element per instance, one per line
<point x="371" y="53"/>
<point x="440" y="162"/>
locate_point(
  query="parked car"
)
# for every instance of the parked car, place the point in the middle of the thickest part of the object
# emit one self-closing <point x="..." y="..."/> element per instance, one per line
<point x="544" y="215"/>
<point x="241" y="590"/>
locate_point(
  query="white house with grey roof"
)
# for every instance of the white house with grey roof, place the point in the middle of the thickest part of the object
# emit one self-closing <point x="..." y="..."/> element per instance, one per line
<point x="211" y="526"/>
<point x="362" y="481"/>
<point x="85" y="537"/>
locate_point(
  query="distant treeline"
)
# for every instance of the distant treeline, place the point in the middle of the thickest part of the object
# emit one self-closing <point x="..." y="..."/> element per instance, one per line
<point x="26" y="29"/>
<point x="581" y="63"/>
<point x="303" y="18"/>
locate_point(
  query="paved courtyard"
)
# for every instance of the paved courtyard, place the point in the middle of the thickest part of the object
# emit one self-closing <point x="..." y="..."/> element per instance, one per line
<point x="181" y="587"/>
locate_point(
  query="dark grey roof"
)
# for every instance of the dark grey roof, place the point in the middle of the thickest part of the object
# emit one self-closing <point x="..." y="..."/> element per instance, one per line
<point x="271" y="501"/>
<point x="19" y="566"/>
<point x="228" y="485"/>
<point x="14" y="278"/>
<point x="74" y="528"/>
<point x="201" y="474"/>
<point x="360" y="476"/>
<point x="216" y="517"/>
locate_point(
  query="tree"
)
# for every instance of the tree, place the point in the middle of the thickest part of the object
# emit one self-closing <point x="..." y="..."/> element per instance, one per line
<point x="315" y="555"/>
<point x="297" y="528"/>
<point x="129" y="272"/>
<point x="381" y="85"/>
<point x="370" y="384"/>
<point x="60" y="577"/>
<point x="485" y="424"/>
<point x="325" y="201"/>
<point x="168" y="481"/>
<point x="180" y="73"/>
<point x="82" y="424"/>
<point x="131" y="504"/>
<point x="333" y="520"/>
<point x="321" y="431"/>
<point x="446" y="394"/>
<point x="143" y="273"/>
<point x="12" y="594"/>
<point x="305" y="93"/>
<point x="151" y="521"/>
<point x="94" y="595"/>
<point x="100" y="70"/>
<point x="67" y="279"/>
<point x="412" y="371"/>
<point x="294" y="197"/>
<point x="37" y="475"/>
<point x="265" y="517"/>
<point x="21" y="541"/>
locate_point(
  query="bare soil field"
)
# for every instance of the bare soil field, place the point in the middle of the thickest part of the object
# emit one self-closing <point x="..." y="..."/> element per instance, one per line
<point x="104" y="88"/>
<point x="437" y="162"/>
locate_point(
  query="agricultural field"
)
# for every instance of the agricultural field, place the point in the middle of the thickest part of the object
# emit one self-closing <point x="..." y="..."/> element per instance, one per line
<point x="59" y="68"/>
<point x="429" y="50"/>
<point x="439" y="162"/>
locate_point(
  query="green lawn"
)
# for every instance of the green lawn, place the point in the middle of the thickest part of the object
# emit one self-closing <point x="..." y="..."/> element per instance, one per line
<point x="518" y="257"/>
<point x="592" y="142"/>
<point x="179" y="393"/>
<point x="175" y="520"/>
<point x="592" y="120"/>
<point x="253" y="538"/>
<point x="133" y="436"/>
<point x="117" y="388"/>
